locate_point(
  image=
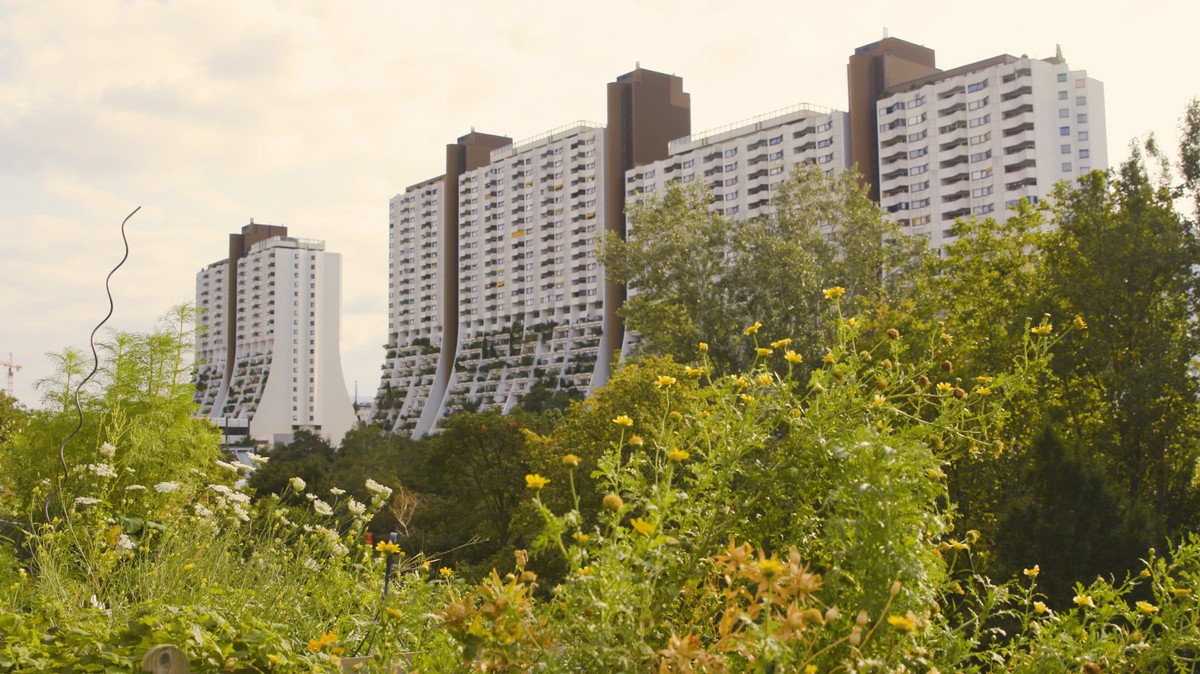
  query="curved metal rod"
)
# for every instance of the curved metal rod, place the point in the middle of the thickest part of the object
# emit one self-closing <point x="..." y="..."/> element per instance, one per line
<point x="62" y="458"/>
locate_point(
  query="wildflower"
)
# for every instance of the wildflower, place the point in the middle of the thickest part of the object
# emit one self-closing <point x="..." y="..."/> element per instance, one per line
<point x="312" y="565"/>
<point x="664" y="381"/>
<point x="829" y="358"/>
<point x="535" y="481"/>
<point x="1043" y="329"/>
<point x="675" y="415"/>
<point x="983" y="391"/>
<point x="959" y="393"/>
<point x="1144" y="574"/>
<point x="1033" y="572"/>
<point x="135" y="487"/>
<point x="679" y="455"/>
<point x="322" y="508"/>
<point x="256" y="459"/>
<point x="274" y="659"/>
<point x="580" y="537"/>
<point x="636" y="441"/>
<point x="893" y="333"/>
<point x="297" y="484"/>
<point x="763" y="351"/>
<point x="318" y="644"/>
<point x="378" y="489"/>
<point x="1147" y="608"/>
<point x="394" y="612"/>
<point x="1039" y="607"/>
<point x="780" y="343"/>
<point x="983" y="379"/>
<point x="642" y="526"/>
<point x="741" y="382"/>
<point x="834" y="292"/>
<point x="948" y="366"/>
<point x="810" y="669"/>
<point x="1079" y="323"/>
<point x="944" y="387"/>
<point x="877" y="401"/>
<point x="571" y="460"/>
<point x="703" y="347"/>
<point x="336" y="491"/>
<point x="1084" y="600"/>
<point x="753" y="329"/>
<point x="746" y="398"/>
<point x="166" y="487"/>
<point x="107" y="450"/>
<point x="902" y="623"/>
<point x="387" y="548"/>
<point x="227" y="466"/>
<point x="86" y="500"/>
<point x="693" y="371"/>
<point x="1180" y="591"/>
<point x="793" y="357"/>
<point x="763" y="379"/>
<point x="623" y="420"/>
<point x="612" y="502"/>
<point x="102" y="469"/>
<point x="446" y="572"/>
<point x="770" y="566"/>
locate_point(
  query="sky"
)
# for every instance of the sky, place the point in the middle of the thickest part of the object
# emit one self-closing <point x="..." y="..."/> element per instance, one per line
<point x="207" y="113"/>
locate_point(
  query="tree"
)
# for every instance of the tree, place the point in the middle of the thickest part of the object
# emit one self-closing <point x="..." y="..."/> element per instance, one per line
<point x="696" y="276"/>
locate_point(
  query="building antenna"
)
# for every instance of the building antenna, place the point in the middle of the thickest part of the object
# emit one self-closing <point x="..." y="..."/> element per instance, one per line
<point x="885" y="35"/>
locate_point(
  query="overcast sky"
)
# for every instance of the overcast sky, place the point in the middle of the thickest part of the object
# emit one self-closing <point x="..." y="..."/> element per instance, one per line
<point x="313" y="114"/>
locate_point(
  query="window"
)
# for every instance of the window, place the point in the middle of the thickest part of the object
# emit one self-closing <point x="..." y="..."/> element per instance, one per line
<point x="919" y="203"/>
<point x="917" y="119"/>
<point x="981" y="138"/>
<point x="1064" y="130"/>
<point x="1084" y="154"/>
<point x="689" y="163"/>
<point x="917" y="170"/>
<point x="975" y="105"/>
<point x="1062" y="95"/>
<point x="917" y="102"/>
<point x="1063" y="113"/>
<point x="1062" y="77"/>
<point x="920" y="135"/>
<point x="1083" y="135"/>
<point x="919" y="152"/>
<point x="689" y="178"/>
<point x="776" y="140"/>
<point x="1081" y="100"/>
<point x="730" y="181"/>
<point x="825" y="143"/>
<point x="921" y="220"/>
<point x="977" y="86"/>
<point x="919" y="187"/>
<point x="1066" y="167"/>
<point x="980" y="156"/>
<point x="731" y="152"/>
<point x="775" y="171"/>
<point x="1079" y="84"/>
<point x="1065" y="149"/>
<point x="1081" y="118"/>
<point x="649" y="174"/>
<point x="986" y="208"/>
<point x="731" y="196"/>
<point x="982" y="191"/>
<point x="979" y="121"/>
<point x="775" y="155"/>
<point x="731" y="167"/>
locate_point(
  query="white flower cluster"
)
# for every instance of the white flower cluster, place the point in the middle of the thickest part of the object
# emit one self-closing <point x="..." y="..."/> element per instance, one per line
<point x="101" y="469"/>
<point x="379" y="490"/>
<point x="107" y="450"/>
<point x="322" y="508"/>
<point x="297" y="484"/>
<point x="86" y="501"/>
<point x="166" y="487"/>
<point x="233" y="501"/>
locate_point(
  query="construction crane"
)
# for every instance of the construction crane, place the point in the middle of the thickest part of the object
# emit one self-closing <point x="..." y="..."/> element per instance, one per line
<point x="12" y="369"/>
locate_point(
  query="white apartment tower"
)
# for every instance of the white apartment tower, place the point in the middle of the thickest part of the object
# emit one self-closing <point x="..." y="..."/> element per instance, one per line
<point x="268" y="358"/>
<point x="974" y="140"/>
<point x="742" y="164"/>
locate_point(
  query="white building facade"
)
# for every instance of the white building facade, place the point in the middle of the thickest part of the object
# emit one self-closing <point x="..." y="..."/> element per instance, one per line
<point x="974" y="140"/>
<point x="268" y="348"/>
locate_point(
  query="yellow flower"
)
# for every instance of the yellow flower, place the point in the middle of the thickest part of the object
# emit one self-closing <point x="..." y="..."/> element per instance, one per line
<point x="877" y="401"/>
<point x="636" y="440"/>
<point x="1080" y="324"/>
<point x="585" y="571"/>
<point x="704" y="347"/>
<point x="944" y="387"/>
<point x="387" y="548"/>
<point x="571" y="460"/>
<point x="829" y="358"/>
<point x="983" y="391"/>
<point x="902" y="623"/>
<point x="793" y="357"/>
<point x="675" y="415"/>
<point x="580" y="537"/>
<point x="535" y="481"/>
<point x="1084" y="600"/>
<point x="753" y="329"/>
<point x="1033" y="572"/>
<point x="746" y="398"/>
<point x="983" y="379"/>
<point x="779" y="344"/>
<point x="623" y="420"/>
<point x="810" y="669"/>
<point x="274" y="659"/>
<point x="612" y="502"/>
<point x="1144" y="574"/>
<point x="834" y="292"/>
<point x="642" y="526"/>
<point x="1147" y="608"/>
<point x="664" y="381"/>
<point x="764" y="379"/>
<point x="694" y="371"/>
<point x="1044" y="329"/>
<point x="770" y="567"/>
<point x="316" y="645"/>
<point x="446" y="572"/>
<point x="1039" y="607"/>
<point x="1180" y="591"/>
<point x="394" y="612"/>
<point x="680" y="455"/>
<point x="741" y="382"/>
<point x="763" y="351"/>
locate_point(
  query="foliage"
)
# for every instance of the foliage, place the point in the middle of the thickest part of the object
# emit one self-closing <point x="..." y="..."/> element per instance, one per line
<point x="698" y="276"/>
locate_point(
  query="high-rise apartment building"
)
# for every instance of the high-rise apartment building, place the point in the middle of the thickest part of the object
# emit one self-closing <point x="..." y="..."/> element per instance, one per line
<point x="267" y="345"/>
<point x="935" y="146"/>
<point x="493" y="271"/>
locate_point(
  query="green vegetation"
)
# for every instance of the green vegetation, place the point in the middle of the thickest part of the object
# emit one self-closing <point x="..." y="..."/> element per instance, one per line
<point x="843" y="455"/>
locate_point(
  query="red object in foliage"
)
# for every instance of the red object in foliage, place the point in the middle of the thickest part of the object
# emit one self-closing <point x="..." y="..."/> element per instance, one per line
<point x="370" y="539"/>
